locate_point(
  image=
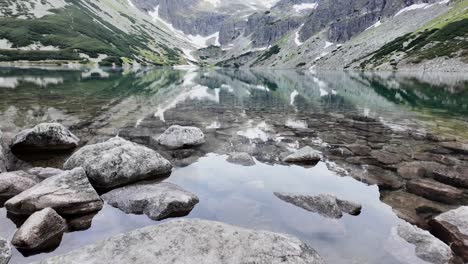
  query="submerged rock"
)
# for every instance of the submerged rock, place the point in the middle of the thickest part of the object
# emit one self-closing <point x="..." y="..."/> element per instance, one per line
<point x="5" y="251"/>
<point x="40" y="230"/>
<point x="15" y="182"/>
<point x="191" y="242"/>
<point x="179" y="137"/>
<point x="156" y="200"/>
<point x="373" y="175"/>
<point x="458" y="147"/>
<point x="241" y="158"/>
<point x="324" y="204"/>
<point x="44" y="173"/>
<point x="359" y="150"/>
<point x="44" y="137"/>
<point x="117" y="162"/>
<point x="455" y="176"/>
<point x="434" y="190"/>
<point x="427" y="248"/>
<point x="452" y="228"/>
<point x="67" y="193"/>
<point x="385" y="157"/>
<point x="305" y="155"/>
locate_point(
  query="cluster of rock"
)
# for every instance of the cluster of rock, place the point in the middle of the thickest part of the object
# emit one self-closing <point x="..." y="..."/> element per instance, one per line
<point x="56" y="201"/>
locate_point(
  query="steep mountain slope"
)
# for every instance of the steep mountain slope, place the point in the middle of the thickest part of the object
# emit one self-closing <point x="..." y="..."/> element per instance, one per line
<point x="105" y="31"/>
<point x="327" y="34"/>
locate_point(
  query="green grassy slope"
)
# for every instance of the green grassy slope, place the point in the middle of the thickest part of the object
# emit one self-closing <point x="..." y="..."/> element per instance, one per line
<point x="74" y="29"/>
<point x="445" y="36"/>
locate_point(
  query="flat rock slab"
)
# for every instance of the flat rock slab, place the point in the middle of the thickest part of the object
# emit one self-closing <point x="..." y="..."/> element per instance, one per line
<point x="373" y="175"/>
<point x="5" y="251"/>
<point x="39" y="229"/>
<point x="157" y="200"/>
<point x="324" y="204"/>
<point x="193" y="242"/>
<point x="413" y="208"/>
<point x="359" y="150"/>
<point x="455" y="176"/>
<point x="306" y="155"/>
<point x="67" y="193"/>
<point x="15" y="182"/>
<point x="181" y="136"/>
<point x="44" y="137"/>
<point x="452" y="228"/>
<point x="117" y="162"/>
<point x="436" y="191"/>
<point x="427" y="248"/>
<point x="417" y="169"/>
<point x="241" y="158"/>
<point x="386" y="158"/>
<point x="458" y="147"/>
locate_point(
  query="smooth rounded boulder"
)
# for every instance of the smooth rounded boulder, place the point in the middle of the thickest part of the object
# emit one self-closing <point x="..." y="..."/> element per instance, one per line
<point x="117" y="162"/>
<point x="192" y="242"/>
<point x="43" y="138"/>
<point x="181" y="136"/>
<point x="67" y="193"/>
<point x="40" y="229"/>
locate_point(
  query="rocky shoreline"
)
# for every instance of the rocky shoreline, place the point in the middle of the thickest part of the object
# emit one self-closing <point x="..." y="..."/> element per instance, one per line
<point x="422" y="176"/>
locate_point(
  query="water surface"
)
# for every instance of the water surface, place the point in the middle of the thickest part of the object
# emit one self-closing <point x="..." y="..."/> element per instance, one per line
<point x="241" y="111"/>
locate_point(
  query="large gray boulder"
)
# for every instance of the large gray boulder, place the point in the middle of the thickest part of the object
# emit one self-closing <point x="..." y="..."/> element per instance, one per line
<point x="13" y="183"/>
<point x="117" y="162"/>
<point x="304" y="155"/>
<point x="44" y="137"/>
<point x="40" y="229"/>
<point x="179" y="136"/>
<point x="68" y="193"/>
<point x="44" y="173"/>
<point x="156" y="200"/>
<point x="452" y="228"/>
<point x="427" y="248"/>
<point x="326" y="205"/>
<point x="192" y="242"/>
<point x="5" y="251"/>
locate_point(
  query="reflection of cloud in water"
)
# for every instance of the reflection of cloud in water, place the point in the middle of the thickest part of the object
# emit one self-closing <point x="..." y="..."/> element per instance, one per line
<point x="96" y="72"/>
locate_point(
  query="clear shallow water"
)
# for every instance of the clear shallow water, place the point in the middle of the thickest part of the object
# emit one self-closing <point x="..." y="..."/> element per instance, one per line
<point x="100" y="104"/>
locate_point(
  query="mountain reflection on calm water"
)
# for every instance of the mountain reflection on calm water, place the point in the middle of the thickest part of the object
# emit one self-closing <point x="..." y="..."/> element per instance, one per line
<point x="264" y="113"/>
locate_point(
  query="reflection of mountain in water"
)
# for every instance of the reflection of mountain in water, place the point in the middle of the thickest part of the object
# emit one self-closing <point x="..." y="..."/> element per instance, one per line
<point x="110" y="100"/>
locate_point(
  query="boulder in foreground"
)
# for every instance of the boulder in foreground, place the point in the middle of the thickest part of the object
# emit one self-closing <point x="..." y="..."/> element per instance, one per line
<point x="179" y="136"/>
<point x="452" y="228"/>
<point x="41" y="228"/>
<point x="156" y="200"/>
<point x="117" y="162"/>
<point x="44" y="137"/>
<point x="67" y="193"/>
<point x="326" y="205"/>
<point x="193" y="242"/>
<point x="5" y="251"/>
<point x="427" y="247"/>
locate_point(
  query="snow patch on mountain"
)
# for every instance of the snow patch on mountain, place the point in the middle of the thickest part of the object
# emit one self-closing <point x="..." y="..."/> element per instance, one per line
<point x="305" y="6"/>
